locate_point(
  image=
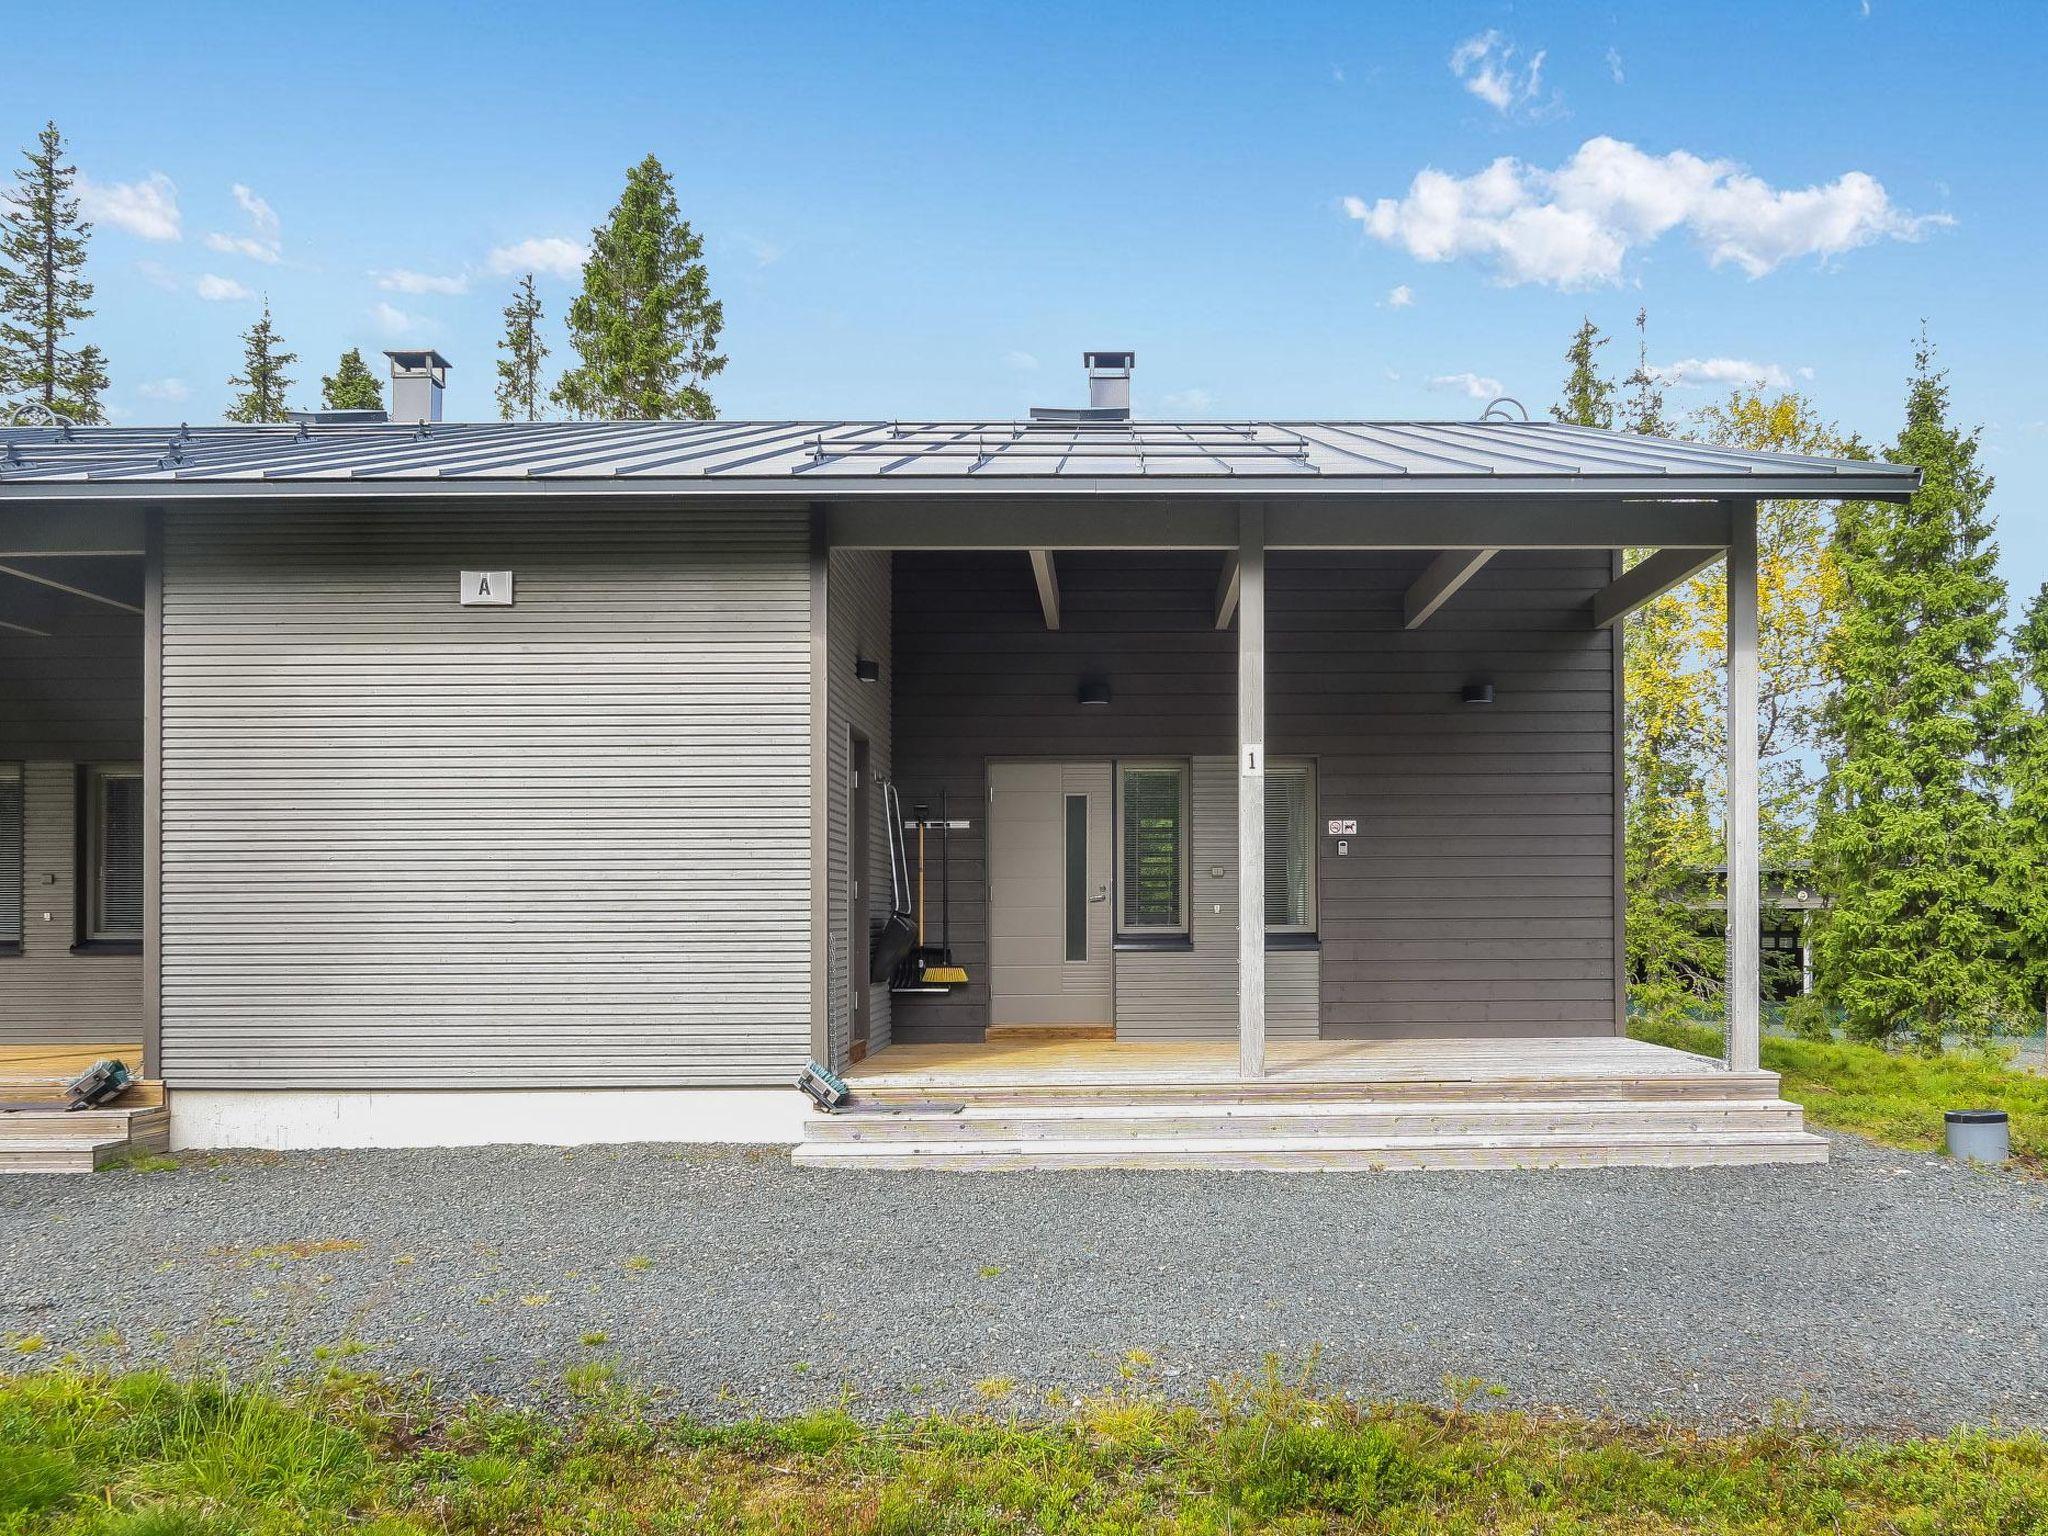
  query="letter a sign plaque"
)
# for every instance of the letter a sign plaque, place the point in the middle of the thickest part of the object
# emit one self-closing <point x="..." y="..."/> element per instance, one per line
<point x="487" y="589"/>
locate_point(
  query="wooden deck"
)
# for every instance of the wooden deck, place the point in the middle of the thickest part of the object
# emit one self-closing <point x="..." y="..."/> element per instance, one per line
<point x="1059" y="1063"/>
<point x="38" y="1135"/>
<point x="1331" y="1105"/>
<point x="65" y="1061"/>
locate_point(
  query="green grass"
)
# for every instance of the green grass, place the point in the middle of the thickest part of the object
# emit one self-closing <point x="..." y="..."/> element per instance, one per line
<point x="145" y="1455"/>
<point x="1896" y="1097"/>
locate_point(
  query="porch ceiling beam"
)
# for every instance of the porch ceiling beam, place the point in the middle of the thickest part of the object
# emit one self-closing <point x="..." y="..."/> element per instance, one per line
<point x="1048" y="581"/>
<point x="23" y="629"/>
<point x="66" y="587"/>
<point x="1379" y="522"/>
<point x="1445" y="574"/>
<point x="1647" y="581"/>
<point x="1227" y="583"/>
<point x="70" y="532"/>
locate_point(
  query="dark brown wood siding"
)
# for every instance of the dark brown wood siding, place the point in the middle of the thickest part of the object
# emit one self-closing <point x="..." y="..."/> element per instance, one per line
<point x="1478" y="896"/>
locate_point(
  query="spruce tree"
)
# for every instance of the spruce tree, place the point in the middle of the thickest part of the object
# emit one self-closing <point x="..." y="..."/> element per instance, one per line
<point x="2027" y="816"/>
<point x="262" y="383"/>
<point x="43" y="294"/>
<point x="1643" y="411"/>
<point x="351" y="387"/>
<point x="1588" y="394"/>
<point x="645" y="327"/>
<point x="1908" y="843"/>
<point x="519" y="393"/>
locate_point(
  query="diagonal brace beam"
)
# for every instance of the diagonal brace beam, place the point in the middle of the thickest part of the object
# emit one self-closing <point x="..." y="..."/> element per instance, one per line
<point x="64" y="586"/>
<point x="1647" y="581"/>
<point x="1439" y="582"/>
<point x="1047" y="576"/>
<point x="1227" y="583"/>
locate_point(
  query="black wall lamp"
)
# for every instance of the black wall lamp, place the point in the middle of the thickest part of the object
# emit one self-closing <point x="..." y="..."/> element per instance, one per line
<point x="1479" y="693"/>
<point x="1093" y="690"/>
<point x="867" y="669"/>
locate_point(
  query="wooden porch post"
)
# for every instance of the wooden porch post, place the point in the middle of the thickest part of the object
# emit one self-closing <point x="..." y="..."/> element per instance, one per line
<point x="1251" y="791"/>
<point x="1745" y="917"/>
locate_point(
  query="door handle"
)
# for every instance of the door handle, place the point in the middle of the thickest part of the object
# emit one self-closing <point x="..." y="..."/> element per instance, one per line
<point x="1101" y="893"/>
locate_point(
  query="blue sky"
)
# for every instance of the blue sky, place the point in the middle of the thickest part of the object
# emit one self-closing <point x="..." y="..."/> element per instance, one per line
<point x="931" y="211"/>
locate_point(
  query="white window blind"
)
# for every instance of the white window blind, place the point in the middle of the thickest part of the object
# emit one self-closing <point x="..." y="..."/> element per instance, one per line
<point x="1290" y="847"/>
<point x="1153" y="827"/>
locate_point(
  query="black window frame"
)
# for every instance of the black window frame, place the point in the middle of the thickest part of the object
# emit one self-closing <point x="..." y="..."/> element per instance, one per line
<point x="89" y="936"/>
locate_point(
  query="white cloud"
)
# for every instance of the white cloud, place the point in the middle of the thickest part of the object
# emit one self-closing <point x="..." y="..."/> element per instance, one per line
<point x="1190" y="402"/>
<point x="1727" y="372"/>
<point x="548" y="253"/>
<point x="396" y="324"/>
<point x="1336" y="74"/>
<point x="403" y="280"/>
<point x="1023" y="362"/>
<point x="222" y="290"/>
<point x="1477" y="385"/>
<point x="170" y="391"/>
<point x="1489" y="67"/>
<point x="1400" y="296"/>
<point x="158" y="274"/>
<point x="1572" y="227"/>
<point x="264" y="242"/>
<point x="147" y="208"/>
<point x="1614" y="66"/>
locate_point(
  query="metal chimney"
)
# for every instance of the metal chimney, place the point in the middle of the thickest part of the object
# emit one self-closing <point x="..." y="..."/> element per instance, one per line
<point x="1109" y="380"/>
<point x="417" y="379"/>
<point x="1109" y="391"/>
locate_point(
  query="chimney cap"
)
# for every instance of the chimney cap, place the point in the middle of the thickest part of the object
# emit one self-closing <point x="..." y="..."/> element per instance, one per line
<point x="420" y="360"/>
<point x="1109" y="362"/>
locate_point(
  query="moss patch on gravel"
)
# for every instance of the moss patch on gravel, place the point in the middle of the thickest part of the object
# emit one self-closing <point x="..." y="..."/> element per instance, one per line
<point x="144" y="1453"/>
<point x="1893" y="1097"/>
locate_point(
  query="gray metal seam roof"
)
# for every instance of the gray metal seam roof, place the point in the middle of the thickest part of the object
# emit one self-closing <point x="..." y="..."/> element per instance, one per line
<point x="1328" y="455"/>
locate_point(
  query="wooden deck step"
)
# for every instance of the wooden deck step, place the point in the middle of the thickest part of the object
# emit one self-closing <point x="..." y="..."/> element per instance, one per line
<point x="1352" y="1118"/>
<point x="53" y="1141"/>
<point x="1711" y="1086"/>
<point x="1331" y="1153"/>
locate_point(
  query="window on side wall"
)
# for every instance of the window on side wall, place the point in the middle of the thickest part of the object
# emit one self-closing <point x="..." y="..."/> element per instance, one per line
<point x="1152" y="849"/>
<point x="1290" y="847"/>
<point x="12" y="824"/>
<point x="112" y="825"/>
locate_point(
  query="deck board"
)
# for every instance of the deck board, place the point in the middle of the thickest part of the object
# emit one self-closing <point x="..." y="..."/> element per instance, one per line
<point x="1109" y="1062"/>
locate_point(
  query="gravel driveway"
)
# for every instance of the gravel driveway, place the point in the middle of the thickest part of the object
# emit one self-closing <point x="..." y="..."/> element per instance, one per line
<point x="1887" y="1290"/>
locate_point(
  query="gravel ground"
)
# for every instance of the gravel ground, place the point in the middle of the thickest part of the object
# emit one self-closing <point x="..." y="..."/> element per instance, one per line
<point x="1886" y="1291"/>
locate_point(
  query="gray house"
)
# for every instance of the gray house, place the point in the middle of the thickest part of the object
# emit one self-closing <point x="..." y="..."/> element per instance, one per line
<point x="419" y="782"/>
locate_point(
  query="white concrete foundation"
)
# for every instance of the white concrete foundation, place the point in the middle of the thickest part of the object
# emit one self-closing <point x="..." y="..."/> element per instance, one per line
<point x="284" y="1121"/>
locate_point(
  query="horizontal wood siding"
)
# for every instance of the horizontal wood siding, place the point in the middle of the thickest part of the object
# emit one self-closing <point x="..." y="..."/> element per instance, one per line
<point x="1192" y="994"/>
<point x="75" y="697"/>
<point x="857" y="625"/>
<point x="408" y="843"/>
<point x="1478" y="897"/>
<point x="49" y="992"/>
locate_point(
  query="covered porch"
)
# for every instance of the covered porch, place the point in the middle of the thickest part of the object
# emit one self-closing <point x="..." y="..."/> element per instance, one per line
<point x="1248" y="775"/>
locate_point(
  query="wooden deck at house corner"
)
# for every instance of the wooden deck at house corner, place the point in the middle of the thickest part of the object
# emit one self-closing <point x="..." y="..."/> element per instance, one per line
<point x="39" y="1135"/>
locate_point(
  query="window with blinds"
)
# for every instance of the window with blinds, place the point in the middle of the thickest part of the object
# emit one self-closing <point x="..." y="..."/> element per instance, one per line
<point x="12" y="822"/>
<point x="1290" y="848"/>
<point x="1152" y="847"/>
<point x="114" y="837"/>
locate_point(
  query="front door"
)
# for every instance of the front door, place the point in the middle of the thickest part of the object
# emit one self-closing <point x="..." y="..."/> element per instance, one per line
<point x="1050" y="933"/>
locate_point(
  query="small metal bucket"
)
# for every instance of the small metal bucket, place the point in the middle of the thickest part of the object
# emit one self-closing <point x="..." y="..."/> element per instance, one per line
<point x="1979" y="1135"/>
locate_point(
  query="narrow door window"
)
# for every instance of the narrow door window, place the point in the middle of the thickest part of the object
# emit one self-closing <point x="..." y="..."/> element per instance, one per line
<point x="1077" y="877"/>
